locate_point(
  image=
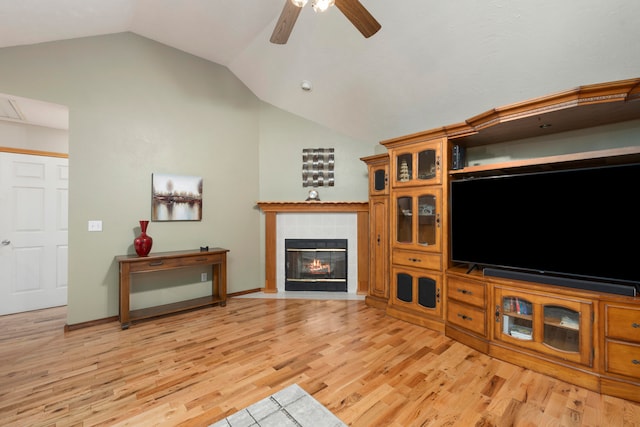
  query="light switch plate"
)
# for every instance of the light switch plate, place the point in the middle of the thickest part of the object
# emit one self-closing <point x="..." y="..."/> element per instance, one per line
<point x="95" y="225"/>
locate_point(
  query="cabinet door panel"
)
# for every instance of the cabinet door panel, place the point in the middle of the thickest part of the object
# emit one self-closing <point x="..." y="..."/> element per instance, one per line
<point x="404" y="287"/>
<point x="427" y="292"/>
<point x="427" y="220"/>
<point x="379" y="247"/>
<point x="555" y="326"/>
<point x="379" y="180"/>
<point x="417" y="216"/>
<point x="418" y="164"/>
<point x="561" y="328"/>
<point x="417" y="290"/>
<point x="404" y="220"/>
<point x="378" y="169"/>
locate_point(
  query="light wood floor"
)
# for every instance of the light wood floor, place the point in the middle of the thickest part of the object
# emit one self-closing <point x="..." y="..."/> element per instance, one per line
<point x="195" y="368"/>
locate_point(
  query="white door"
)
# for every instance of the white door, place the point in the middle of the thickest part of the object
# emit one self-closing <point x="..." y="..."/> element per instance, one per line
<point x="33" y="232"/>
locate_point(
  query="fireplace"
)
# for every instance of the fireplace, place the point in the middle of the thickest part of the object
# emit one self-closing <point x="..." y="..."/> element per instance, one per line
<point x="305" y="220"/>
<point x="316" y="265"/>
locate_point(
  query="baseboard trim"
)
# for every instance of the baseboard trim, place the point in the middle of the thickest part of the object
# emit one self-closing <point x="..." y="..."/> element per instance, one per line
<point x="82" y="325"/>
<point x="248" y="291"/>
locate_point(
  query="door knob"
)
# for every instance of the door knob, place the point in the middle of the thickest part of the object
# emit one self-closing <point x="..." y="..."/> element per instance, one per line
<point x="5" y="242"/>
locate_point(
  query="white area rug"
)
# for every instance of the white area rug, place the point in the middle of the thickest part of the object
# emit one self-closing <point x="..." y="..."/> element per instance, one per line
<point x="291" y="406"/>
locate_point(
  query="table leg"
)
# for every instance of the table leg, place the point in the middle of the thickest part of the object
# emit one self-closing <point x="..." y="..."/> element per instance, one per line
<point x="125" y="285"/>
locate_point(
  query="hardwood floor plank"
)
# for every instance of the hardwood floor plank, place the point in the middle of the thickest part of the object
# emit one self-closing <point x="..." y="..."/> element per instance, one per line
<point x="195" y="368"/>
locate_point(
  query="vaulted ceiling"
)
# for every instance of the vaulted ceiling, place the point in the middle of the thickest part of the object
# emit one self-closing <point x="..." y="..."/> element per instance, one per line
<point x="433" y="63"/>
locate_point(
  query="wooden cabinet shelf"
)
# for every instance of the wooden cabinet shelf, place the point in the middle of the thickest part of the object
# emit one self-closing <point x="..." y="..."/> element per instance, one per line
<point x="518" y="316"/>
<point x="584" y="159"/>
<point x="557" y="323"/>
<point x="149" y="312"/>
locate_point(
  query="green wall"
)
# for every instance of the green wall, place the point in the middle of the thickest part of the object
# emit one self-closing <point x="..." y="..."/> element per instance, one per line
<point x="137" y="107"/>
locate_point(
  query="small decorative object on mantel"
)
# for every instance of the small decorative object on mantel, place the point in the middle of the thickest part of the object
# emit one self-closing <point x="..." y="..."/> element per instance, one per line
<point x="313" y="196"/>
<point x="143" y="242"/>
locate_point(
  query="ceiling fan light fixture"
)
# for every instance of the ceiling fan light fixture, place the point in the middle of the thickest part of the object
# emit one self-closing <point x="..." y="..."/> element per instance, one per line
<point x="321" y="5"/>
<point x="353" y="10"/>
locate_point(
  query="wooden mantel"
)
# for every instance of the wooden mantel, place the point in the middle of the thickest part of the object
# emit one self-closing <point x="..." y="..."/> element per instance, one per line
<point x="271" y="209"/>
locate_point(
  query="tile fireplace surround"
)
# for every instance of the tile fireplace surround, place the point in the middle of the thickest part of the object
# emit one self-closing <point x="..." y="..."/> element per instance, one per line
<point x="322" y="211"/>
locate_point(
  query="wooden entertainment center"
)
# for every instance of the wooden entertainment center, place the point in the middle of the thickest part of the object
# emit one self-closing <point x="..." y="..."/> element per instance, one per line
<point x="588" y="338"/>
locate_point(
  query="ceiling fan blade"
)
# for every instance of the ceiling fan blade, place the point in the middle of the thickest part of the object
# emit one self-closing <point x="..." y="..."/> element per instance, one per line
<point x="359" y="16"/>
<point x="285" y="23"/>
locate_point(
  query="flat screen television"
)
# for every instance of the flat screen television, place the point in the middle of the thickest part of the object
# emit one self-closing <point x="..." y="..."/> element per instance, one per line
<point x="576" y="227"/>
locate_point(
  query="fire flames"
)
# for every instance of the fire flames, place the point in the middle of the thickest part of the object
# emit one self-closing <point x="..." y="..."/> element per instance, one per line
<point x="318" y="267"/>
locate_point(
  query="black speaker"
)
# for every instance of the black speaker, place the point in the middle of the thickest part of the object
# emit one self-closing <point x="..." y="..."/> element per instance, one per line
<point x="588" y="285"/>
<point x="457" y="157"/>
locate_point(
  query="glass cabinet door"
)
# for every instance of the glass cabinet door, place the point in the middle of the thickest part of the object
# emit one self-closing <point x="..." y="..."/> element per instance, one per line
<point x="517" y="318"/>
<point x="378" y="169"/>
<point x="404" y="220"/>
<point x="558" y="327"/>
<point x="561" y="328"/>
<point x="427" y="220"/>
<point x="420" y="164"/>
<point x="418" y="219"/>
<point x="427" y="164"/>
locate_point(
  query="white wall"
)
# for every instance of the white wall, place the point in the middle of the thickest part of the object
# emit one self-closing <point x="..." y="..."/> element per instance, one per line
<point x="30" y="137"/>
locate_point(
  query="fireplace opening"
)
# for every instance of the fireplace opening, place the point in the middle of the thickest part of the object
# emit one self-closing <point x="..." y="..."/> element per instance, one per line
<point x="316" y="265"/>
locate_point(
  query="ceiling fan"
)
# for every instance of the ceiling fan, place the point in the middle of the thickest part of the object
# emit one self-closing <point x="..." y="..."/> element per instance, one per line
<point x="352" y="9"/>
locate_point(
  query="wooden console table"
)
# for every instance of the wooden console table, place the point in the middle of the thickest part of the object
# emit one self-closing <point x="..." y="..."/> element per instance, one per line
<point x="130" y="264"/>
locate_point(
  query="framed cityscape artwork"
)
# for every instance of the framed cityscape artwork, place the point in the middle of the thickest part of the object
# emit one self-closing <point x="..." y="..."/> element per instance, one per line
<point x="176" y="197"/>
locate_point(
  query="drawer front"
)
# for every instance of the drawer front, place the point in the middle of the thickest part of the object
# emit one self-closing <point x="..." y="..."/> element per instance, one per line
<point x="623" y="359"/>
<point x="466" y="291"/>
<point x="623" y="323"/>
<point x="169" y="263"/>
<point x="467" y="317"/>
<point x="417" y="259"/>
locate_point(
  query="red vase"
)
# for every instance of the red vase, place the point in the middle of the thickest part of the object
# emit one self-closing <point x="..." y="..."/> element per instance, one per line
<point x="143" y="242"/>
